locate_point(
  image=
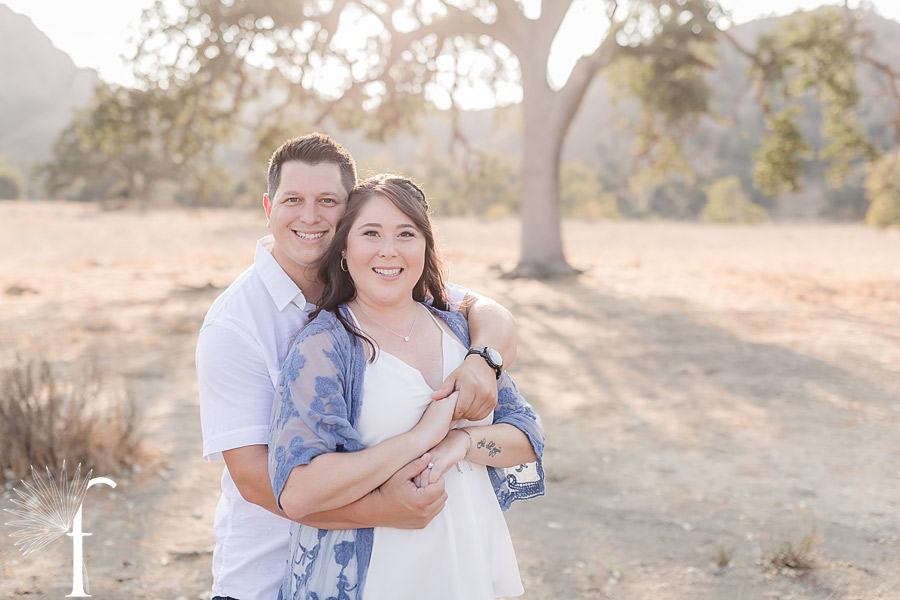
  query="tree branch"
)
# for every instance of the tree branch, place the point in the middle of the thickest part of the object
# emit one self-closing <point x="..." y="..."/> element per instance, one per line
<point x="509" y="12"/>
<point x="757" y="62"/>
<point x="572" y="93"/>
<point x="893" y="85"/>
<point x="504" y="30"/>
<point x="552" y="15"/>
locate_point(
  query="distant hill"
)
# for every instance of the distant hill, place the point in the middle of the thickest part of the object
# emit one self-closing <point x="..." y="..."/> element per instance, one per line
<point x="41" y="87"/>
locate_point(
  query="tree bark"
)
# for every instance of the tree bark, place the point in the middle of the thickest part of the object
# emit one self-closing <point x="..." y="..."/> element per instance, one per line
<point x="544" y="131"/>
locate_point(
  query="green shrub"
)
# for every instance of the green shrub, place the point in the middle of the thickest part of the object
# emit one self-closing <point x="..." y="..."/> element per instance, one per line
<point x="581" y="196"/>
<point x="12" y="184"/>
<point x="728" y="203"/>
<point x="883" y="191"/>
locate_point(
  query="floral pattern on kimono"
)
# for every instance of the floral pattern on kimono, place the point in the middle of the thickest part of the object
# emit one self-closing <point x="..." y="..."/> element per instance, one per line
<point x="316" y="409"/>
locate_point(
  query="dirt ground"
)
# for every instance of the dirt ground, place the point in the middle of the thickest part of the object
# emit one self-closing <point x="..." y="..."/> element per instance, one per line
<point x="709" y="394"/>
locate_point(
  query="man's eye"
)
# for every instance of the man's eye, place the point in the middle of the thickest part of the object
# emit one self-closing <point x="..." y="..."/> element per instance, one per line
<point x="291" y="200"/>
<point x="328" y="200"/>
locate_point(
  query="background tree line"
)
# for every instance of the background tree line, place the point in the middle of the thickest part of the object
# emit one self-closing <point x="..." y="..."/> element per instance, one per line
<point x="706" y="121"/>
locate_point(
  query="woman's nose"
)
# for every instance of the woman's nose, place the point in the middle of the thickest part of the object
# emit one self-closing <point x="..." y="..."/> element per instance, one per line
<point x="387" y="248"/>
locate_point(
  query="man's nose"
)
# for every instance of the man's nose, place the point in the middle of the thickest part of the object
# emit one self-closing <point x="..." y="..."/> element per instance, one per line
<point x="310" y="212"/>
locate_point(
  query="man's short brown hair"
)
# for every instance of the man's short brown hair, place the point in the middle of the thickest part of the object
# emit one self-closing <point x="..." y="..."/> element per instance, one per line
<point x="312" y="149"/>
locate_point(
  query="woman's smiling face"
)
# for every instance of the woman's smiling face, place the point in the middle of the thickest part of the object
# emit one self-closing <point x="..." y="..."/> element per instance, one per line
<point x="385" y="253"/>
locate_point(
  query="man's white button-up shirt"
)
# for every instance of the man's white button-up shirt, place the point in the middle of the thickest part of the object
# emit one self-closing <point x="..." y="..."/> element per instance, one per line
<point x="244" y="339"/>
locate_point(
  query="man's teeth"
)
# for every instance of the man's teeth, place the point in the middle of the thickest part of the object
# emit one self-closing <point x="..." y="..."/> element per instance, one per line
<point x="309" y="236"/>
<point x="388" y="272"/>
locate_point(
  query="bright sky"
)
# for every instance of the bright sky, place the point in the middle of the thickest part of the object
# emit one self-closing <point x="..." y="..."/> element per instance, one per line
<point x="96" y="33"/>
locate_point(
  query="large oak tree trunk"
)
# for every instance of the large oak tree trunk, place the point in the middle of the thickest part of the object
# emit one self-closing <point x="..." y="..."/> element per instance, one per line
<point x="542" y="250"/>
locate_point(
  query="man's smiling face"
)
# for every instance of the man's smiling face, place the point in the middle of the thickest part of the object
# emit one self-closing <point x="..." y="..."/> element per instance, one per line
<point x="303" y="214"/>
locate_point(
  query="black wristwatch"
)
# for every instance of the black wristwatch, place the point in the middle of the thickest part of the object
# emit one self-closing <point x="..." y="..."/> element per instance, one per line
<point x="491" y="357"/>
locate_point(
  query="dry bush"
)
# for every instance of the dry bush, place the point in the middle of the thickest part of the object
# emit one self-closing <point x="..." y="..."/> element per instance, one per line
<point x="724" y="556"/>
<point x="798" y="558"/>
<point x="45" y="420"/>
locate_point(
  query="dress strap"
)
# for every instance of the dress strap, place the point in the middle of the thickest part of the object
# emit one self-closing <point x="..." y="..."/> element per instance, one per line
<point x="433" y="318"/>
<point x="446" y="330"/>
<point x="353" y="316"/>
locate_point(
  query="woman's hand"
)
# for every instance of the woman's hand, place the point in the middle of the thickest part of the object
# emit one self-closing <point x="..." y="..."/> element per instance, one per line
<point x="437" y="420"/>
<point x="452" y="449"/>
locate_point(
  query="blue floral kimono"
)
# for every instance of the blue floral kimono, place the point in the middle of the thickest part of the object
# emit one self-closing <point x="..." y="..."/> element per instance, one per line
<point x="317" y="405"/>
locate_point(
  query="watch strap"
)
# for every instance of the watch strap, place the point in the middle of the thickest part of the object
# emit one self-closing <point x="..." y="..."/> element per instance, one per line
<point x="482" y="352"/>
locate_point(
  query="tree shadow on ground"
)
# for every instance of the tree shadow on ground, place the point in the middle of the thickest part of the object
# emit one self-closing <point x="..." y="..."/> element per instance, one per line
<point x="672" y="435"/>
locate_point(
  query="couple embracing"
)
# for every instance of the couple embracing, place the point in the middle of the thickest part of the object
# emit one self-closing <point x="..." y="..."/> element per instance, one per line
<point x="370" y="435"/>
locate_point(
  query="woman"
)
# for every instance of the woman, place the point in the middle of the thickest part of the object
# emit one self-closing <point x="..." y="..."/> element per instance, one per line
<point x="353" y="407"/>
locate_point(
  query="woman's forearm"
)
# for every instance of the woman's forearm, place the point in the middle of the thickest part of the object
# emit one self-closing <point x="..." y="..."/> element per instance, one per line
<point x="336" y="479"/>
<point x="501" y="445"/>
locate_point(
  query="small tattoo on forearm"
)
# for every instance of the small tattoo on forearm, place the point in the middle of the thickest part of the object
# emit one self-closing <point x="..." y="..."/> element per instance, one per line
<point x="492" y="448"/>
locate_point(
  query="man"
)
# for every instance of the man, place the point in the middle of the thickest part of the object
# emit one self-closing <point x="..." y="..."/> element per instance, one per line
<point x="244" y="339"/>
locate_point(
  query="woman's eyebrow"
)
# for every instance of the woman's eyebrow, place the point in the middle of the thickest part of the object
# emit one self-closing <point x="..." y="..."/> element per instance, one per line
<point x="401" y="225"/>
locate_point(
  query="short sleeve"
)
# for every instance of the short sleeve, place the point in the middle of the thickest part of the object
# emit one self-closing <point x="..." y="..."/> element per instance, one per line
<point x="456" y="294"/>
<point x="235" y="389"/>
<point x="526" y="480"/>
<point x="310" y="415"/>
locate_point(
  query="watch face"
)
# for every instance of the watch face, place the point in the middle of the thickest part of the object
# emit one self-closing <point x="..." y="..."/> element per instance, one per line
<point x="494" y="356"/>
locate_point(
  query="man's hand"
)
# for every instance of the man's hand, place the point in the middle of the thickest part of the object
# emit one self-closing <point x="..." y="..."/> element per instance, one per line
<point x="406" y="506"/>
<point x="476" y="383"/>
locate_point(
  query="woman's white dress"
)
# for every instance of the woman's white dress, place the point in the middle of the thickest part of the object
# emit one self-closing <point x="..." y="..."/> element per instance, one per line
<point x="465" y="553"/>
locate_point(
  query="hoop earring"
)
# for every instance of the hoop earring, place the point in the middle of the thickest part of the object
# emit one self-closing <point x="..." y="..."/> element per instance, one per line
<point x="344" y="265"/>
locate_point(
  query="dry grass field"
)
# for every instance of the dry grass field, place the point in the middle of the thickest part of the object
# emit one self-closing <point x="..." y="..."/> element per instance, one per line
<point x="722" y="404"/>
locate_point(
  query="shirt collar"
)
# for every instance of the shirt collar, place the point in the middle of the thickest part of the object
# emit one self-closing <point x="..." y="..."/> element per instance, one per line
<point x="280" y="286"/>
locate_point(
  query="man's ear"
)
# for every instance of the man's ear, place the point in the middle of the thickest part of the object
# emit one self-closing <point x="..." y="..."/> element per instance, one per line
<point x="267" y="205"/>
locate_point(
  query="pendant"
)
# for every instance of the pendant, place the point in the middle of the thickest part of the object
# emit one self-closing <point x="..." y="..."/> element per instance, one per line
<point x="406" y="338"/>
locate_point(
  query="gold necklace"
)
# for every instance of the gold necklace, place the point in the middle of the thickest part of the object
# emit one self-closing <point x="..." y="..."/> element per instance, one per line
<point x="405" y="337"/>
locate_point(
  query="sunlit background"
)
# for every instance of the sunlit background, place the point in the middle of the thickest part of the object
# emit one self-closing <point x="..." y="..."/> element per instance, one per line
<point x="106" y="28"/>
<point x="701" y="249"/>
